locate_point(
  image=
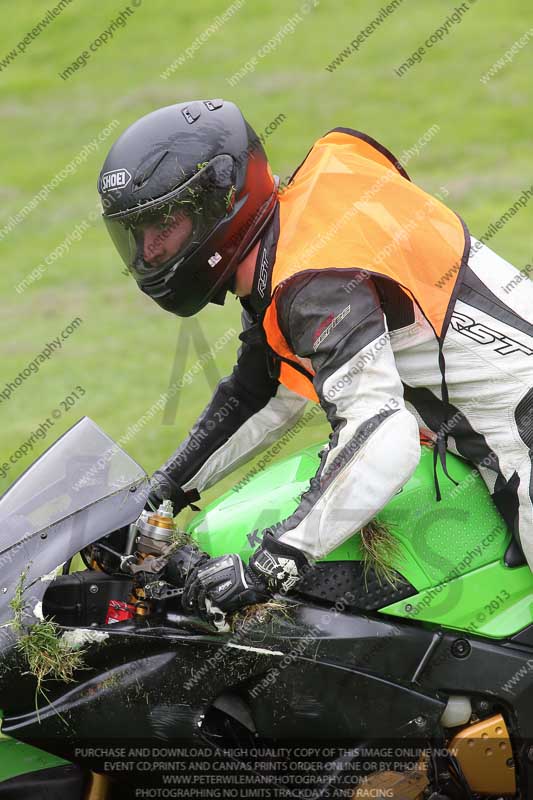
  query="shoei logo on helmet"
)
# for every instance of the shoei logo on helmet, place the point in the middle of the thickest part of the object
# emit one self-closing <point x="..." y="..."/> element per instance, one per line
<point x="116" y="179"/>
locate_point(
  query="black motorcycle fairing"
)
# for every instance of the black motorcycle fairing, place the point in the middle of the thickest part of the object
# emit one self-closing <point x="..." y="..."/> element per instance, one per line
<point x="158" y="681"/>
<point x="82" y="599"/>
<point x="524" y="637"/>
<point x="313" y="676"/>
<point x="66" y="782"/>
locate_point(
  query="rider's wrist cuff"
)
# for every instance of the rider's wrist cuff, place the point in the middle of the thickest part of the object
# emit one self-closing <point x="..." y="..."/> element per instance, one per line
<point x="180" y="498"/>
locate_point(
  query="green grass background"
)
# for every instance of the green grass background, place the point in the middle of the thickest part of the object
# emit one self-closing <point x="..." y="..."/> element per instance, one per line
<point x="124" y="351"/>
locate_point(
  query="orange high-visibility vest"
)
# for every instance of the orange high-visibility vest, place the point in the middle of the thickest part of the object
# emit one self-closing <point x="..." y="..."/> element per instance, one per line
<point x="351" y="205"/>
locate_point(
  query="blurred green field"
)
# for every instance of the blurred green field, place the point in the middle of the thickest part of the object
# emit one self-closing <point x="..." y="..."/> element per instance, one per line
<point x="123" y="353"/>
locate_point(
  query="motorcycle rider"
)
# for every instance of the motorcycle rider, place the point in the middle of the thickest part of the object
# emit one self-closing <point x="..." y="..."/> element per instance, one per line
<point x="360" y="291"/>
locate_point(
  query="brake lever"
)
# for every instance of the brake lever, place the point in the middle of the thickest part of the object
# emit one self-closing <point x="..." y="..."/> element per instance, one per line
<point x="160" y="590"/>
<point x="126" y="562"/>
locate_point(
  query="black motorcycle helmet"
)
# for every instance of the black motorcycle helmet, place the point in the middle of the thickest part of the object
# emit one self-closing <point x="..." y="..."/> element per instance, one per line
<point x="186" y="193"/>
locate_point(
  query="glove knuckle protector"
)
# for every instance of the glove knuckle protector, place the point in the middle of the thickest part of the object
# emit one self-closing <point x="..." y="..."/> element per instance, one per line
<point x="280" y="565"/>
<point x="229" y="584"/>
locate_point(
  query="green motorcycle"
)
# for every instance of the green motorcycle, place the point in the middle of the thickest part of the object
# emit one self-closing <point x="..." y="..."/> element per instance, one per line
<point x="406" y="673"/>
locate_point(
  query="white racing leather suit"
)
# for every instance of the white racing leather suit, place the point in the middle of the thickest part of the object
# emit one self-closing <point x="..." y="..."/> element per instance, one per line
<point x="377" y="377"/>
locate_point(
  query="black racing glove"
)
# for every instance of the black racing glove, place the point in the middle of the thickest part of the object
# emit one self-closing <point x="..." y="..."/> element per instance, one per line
<point x="225" y="584"/>
<point x="183" y="564"/>
<point x="162" y="487"/>
<point x="211" y="587"/>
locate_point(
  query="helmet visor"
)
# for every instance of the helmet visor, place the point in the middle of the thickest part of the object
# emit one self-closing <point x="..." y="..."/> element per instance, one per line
<point x="157" y="236"/>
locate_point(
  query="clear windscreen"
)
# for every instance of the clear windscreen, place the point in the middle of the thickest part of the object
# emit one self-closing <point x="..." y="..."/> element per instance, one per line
<point x="83" y="487"/>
